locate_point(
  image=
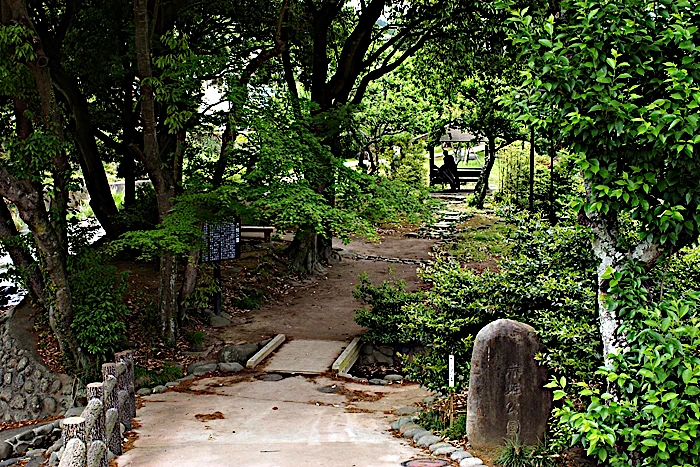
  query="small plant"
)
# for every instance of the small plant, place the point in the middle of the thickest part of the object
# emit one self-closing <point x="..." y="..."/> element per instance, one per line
<point x="438" y="421"/>
<point x="514" y="454"/>
<point x="194" y="338"/>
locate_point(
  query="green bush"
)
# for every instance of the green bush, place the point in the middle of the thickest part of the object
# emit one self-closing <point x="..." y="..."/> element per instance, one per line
<point x="559" y="185"/>
<point x="680" y="275"/>
<point x="385" y="319"/>
<point x="99" y="310"/>
<point x="548" y="281"/>
<point x="438" y="422"/>
<point x="649" y="416"/>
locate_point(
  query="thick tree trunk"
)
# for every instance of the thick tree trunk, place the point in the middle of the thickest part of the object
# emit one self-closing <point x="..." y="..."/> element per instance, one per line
<point x="482" y="185"/>
<point x="101" y="200"/>
<point x="49" y="232"/>
<point x="606" y="248"/>
<point x="309" y="251"/>
<point x="21" y="259"/>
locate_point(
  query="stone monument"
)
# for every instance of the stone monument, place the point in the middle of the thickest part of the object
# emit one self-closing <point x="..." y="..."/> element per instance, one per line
<point x="507" y="397"/>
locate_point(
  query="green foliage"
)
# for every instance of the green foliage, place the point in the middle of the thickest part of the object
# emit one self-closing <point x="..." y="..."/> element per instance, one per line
<point x="194" y="338"/>
<point x="484" y="238"/>
<point x="680" y="275"/>
<point x="205" y="289"/>
<point x="547" y="281"/>
<point x="385" y="319"/>
<point x="294" y="173"/>
<point x="181" y="231"/>
<point x="437" y="422"/>
<point x="617" y="83"/>
<point x="649" y="416"/>
<point x="515" y="454"/>
<point x="98" y="304"/>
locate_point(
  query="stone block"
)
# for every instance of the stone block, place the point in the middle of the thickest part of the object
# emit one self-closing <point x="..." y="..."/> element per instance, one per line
<point x="443" y="451"/>
<point x="418" y="435"/>
<point x="407" y="426"/>
<point x="428" y="440"/>
<point x="383" y="359"/>
<point x="193" y="367"/>
<point x="459" y="455"/>
<point x="507" y="398"/>
<point x="237" y="353"/>
<point x="5" y="450"/>
<point x="437" y="446"/>
<point x="470" y="462"/>
<point x="234" y="367"/>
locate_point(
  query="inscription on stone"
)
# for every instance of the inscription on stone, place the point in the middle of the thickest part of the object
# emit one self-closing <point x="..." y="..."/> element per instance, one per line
<point x="507" y="397"/>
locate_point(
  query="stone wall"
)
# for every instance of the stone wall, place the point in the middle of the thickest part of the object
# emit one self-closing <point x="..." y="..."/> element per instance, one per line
<point x="28" y="390"/>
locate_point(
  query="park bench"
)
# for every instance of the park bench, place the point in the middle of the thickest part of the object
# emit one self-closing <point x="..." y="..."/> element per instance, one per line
<point x="464" y="176"/>
<point x="266" y="230"/>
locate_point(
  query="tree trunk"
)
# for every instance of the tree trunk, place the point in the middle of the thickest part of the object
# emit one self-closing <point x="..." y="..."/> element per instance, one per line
<point x="189" y="282"/>
<point x="21" y="259"/>
<point x="163" y="180"/>
<point x="49" y="232"/>
<point x="482" y="185"/>
<point x="128" y="165"/>
<point x="167" y="297"/>
<point x="309" y="251"/>
<point x="605" y="245"/>
<point x="101" y="199"/>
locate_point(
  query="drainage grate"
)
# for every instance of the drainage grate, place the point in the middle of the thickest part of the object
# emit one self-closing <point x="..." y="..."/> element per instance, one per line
<point x="425" y="463"/>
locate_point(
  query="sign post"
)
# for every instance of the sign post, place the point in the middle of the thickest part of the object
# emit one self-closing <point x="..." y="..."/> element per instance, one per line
<point x="222" y="242"/>
<point x="451" y="368"/>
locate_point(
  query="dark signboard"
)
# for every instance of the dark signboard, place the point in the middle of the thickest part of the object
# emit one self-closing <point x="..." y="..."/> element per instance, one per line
<point x="222" y="241"/>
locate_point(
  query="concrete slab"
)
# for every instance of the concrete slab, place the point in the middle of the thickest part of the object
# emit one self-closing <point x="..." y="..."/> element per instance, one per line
<point x="286" y="423"/>
<point x="305" y="356"/>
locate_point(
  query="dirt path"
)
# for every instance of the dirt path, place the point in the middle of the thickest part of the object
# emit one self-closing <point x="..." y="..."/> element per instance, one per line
<point x="323" y="307"/>
<point x="245" y="421"/>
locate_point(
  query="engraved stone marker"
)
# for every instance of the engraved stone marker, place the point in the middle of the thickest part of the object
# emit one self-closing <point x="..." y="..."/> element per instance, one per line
<point x="506" y="393"/>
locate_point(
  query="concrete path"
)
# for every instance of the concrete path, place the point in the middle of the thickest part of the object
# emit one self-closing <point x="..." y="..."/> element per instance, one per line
<point x="243" y="421"/>
<point x="305" y="356"/>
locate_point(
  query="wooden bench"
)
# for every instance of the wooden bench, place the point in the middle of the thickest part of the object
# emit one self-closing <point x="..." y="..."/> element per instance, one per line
<point x="464" y="176"/>
<point x="266" y="230"/>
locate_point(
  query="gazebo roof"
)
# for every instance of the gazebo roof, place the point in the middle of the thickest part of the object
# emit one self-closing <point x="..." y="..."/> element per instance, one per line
<point x="454" y="135"/>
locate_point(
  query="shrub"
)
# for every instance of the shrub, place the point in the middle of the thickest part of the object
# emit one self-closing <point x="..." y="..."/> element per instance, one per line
<point x="649" y="415"/>
<point x="385" y="319"/>
<point x="548" y="281"/>
<point x="144" y="377"/>
<point x="98" y="304"/>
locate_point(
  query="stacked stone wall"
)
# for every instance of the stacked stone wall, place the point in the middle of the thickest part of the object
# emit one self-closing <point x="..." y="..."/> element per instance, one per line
<point x="28" y="390"/>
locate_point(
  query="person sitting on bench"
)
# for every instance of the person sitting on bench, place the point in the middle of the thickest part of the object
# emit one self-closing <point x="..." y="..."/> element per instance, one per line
<point x="448" y="171"/>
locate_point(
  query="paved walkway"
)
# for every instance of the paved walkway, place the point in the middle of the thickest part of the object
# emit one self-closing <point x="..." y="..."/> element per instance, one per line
<point x="305" y="356"/>
<point x="286" y="423"/>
